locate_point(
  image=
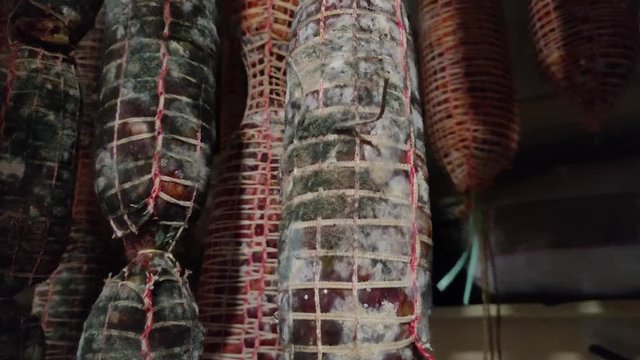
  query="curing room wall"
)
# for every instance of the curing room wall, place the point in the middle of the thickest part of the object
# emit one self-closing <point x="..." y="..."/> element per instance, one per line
<point x="538" y="339"/>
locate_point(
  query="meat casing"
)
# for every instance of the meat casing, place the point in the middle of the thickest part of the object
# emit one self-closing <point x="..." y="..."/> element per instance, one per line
<point x="155" y="124"/>
<point x="239" y="286"/>
<point x="355" y="248"/>
<point x="39" y="106"/>
<point x="64" y="300"/>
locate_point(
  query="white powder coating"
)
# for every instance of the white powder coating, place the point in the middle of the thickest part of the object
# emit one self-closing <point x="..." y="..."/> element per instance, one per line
<point x="354" y="254"/>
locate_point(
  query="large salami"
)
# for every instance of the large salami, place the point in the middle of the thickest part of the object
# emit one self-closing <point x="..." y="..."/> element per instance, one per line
<point x="39" y="105"/>
<point x="66" y="297"/>
<point x="238" y="286"/>
<point x="356" y="228"/>
<point x="469" y="99"/>
<point x="155" y="124"/>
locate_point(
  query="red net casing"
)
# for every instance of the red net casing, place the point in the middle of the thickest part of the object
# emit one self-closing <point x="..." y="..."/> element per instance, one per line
<point x="39" y="109"/>
<point x="145" y="312"/>
<point x="155" y="124"/>
<point x="64" y="300"/>
<point x="588" y="48"/>
<point x="467" y="88"/>
<point x="238" y="285"/>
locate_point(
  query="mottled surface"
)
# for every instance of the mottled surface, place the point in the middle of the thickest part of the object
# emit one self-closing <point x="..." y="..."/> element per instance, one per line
<point x="155" y="124"/>
<point x="356" y="242"/>
<point x="39" y="105"/>
<point x="52" y="22"/>
<point x="66" y="297"/>
<point x="238" y="286"/>
<point x="146" y="312"/>
<point x="468" y="92"/>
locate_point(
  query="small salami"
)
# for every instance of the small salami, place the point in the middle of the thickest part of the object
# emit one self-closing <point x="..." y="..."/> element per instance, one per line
<point x="155" y="126"/>
<point x="356" y="229"/>
<point x="146" y="312"/>
<point x="39" y="106"/>
<point x="59" y="23"/>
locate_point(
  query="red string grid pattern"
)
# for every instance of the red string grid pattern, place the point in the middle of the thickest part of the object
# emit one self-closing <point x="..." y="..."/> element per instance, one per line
<point x="145" y="312"/>
<point x="38" y="116"/>
<point x="238" y="286"/>
<point x="356" y="229"/>
<point x="467" y="87"/>
<point x="64" y="300"/>
<point x="588" y="48"/>
<point x="156" y="117"/>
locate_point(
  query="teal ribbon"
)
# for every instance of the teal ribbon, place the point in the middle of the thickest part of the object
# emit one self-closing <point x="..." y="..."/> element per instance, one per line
<point x="468" y="258"/>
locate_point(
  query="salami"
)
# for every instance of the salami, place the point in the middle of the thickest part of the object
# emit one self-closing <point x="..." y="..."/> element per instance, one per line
<point x="589" y="49"/>
<point x="155" y="125"/>
<point x="66" y="297"/>
<point x="356" y="229"/>
<point x="238" y="286"/>
<point x="39" y="106"/>
<point x="57" y="23"/>
<point x="469" y="99"/>
<point x="146" y="312"/>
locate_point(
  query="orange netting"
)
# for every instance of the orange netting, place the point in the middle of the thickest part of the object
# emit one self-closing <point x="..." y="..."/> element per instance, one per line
<point x="589" y="48"/>
<point x="238" y="286"/>
<point x="467" y="89"/>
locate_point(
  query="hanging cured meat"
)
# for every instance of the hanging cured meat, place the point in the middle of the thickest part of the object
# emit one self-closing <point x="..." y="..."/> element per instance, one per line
<point x="64" y="300"/>
<point x="38" y="125"/>
<point x="153" y="140"/>
<point x="146" y="312"/>
<point x="238" y="286"/>
<point x="58" y="24"/>
<point x="155" y="125"/>
<point x="588" y="48"/>
<point x="467" y="88"/>
<point x="356" y="231"/>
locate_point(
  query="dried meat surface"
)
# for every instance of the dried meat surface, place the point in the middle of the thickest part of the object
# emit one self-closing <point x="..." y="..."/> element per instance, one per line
<point x="46" y="23"/>
<point x="155" y="127"/>
<point x="64" y="300"/>
<point x="145" y="312"/>
<point x="356" y="229"/>
<point x="238" y="285"/>
<point x="39" y="106"/>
